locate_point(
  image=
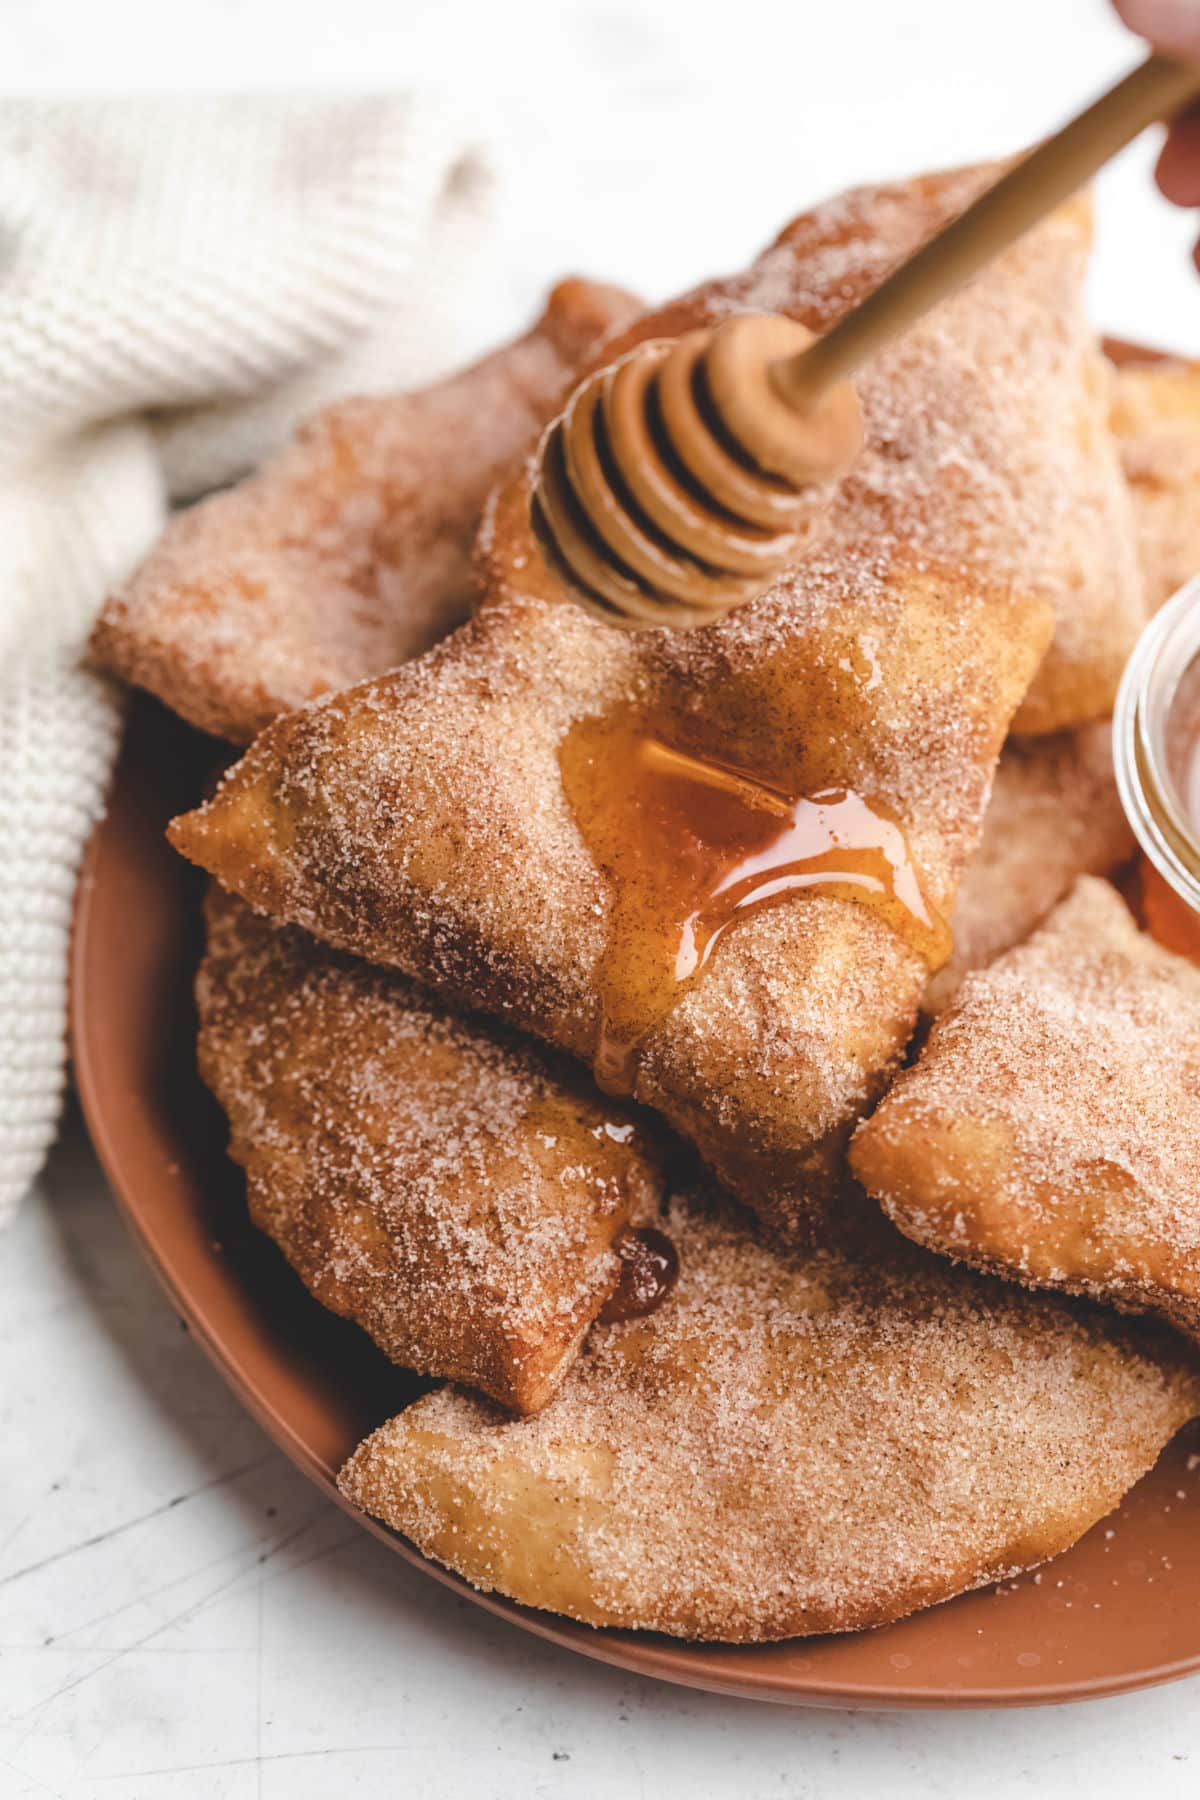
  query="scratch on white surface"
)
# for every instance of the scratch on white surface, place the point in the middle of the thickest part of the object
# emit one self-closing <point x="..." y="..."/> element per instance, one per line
<point x="241" y="1550"/>
<point x="32" y="1780"/>
<point x="102" y="1537"/>
<point x="349" y="1536"/>
<point x="140" y="1599"/>
<point x="117" y="1649"/>
<point x="29" y="1513"/>
<point x="36" y="1713"/>
<point x="241" y="1762"/>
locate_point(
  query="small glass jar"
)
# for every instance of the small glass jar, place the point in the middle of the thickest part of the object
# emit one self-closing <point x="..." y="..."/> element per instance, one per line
<point x="1156" y="744"/>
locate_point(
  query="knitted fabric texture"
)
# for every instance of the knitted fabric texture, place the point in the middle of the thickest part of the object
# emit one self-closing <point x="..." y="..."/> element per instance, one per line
<point x="180" y="280"/>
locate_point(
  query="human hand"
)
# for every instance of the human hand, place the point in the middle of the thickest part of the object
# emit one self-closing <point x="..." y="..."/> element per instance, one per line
<point x="1173" y="26"/>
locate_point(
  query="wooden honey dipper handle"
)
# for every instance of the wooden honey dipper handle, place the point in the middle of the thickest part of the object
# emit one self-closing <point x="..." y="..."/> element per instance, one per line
<point x="1049" y="175"/>
<point x="682" y="478"/>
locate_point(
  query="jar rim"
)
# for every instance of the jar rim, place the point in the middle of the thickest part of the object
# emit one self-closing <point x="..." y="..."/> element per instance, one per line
<point x="1167" y="649"/>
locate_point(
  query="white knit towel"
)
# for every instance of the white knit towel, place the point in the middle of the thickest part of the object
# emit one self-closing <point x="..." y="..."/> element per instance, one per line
<point x="179" y="280"/>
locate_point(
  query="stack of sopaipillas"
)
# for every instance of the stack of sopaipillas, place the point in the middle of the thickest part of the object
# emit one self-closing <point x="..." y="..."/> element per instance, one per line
<point x="822" y="1424"/>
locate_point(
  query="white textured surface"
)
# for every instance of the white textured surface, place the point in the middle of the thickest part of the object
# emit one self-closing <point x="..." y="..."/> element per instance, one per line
<point x="658" y="143"/>
<point x="180" y="1615"/>
<point x="180" y="280"/>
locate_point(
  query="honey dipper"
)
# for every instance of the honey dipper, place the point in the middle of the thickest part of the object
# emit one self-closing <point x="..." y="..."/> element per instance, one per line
<point x="681" y="479"/>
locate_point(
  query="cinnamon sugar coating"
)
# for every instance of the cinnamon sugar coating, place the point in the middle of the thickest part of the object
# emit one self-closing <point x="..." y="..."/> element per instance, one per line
<point x="419" y="819"/>
<point x="989" y="443"/>
<point x="1051" y="1128"/>
<point x="1156" y="417"/>
<point x="453" y="1191"/>
<point x="1054" y="814"/>
<point x="350" y="551"/>
<point x="789" y="1445"/>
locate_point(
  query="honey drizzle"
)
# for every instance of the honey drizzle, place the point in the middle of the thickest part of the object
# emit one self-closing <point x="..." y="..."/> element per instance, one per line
<point x="691" y="844"/>
<point x="1165" y="914"/>
<point x="649" y="1270"/>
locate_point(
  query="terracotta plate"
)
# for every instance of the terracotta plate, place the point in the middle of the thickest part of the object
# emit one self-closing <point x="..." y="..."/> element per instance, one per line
<point x="1120" y="1611"/>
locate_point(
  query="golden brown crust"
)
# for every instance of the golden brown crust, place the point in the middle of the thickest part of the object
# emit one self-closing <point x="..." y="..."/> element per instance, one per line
<point x="1054" y="814"/>
<point x="350" y="551"/>
<point x="419" y="819"/>
<point x="455" y="1192"/>
<point x="788" y="1446"/>
<point x="990" y="418"/>
<point x="1051" y="1127"/>
<point x="1156" y="418"/>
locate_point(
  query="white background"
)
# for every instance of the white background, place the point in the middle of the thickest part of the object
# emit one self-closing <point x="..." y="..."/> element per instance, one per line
<point x="180" y="1613"/>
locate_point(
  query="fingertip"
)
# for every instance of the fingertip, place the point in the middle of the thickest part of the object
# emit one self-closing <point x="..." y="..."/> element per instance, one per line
<point x="1178" y="170"/>
<point x="1170" y="25"/>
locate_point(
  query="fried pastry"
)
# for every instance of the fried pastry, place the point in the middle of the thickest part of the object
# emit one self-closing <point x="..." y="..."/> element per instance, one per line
<point x="423" y="819"/>
<point x="789" y="1445"/>
<point x="1051" y="1129"/>
<point x="1156" y="417"/>
<point x="455" y="1192"/>
<point x="988" y="423"/>
<point x="350" y="551"/>
<point x="1054" y="814"/>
